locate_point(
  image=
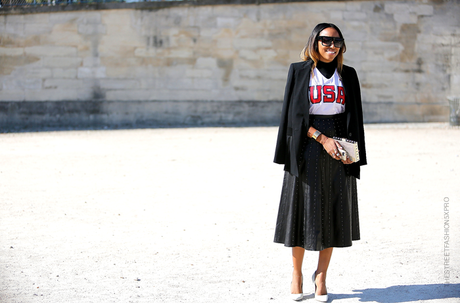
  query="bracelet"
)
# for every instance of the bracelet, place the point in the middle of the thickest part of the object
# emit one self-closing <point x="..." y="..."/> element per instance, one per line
<point x="316" y="134"/>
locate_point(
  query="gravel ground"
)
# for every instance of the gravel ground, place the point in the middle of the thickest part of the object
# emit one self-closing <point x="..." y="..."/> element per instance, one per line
<point x="188" y="215"/>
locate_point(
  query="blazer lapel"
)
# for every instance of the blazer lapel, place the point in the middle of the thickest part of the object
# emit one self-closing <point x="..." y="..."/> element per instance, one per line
<point x="304" y="96"/>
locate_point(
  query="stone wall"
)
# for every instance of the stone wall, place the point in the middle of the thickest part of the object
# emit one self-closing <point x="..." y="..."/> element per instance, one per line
<point x="219" y="64"/>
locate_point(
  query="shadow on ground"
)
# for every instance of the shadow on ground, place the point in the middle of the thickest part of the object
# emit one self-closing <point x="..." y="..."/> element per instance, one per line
<point x="403" y="293"/>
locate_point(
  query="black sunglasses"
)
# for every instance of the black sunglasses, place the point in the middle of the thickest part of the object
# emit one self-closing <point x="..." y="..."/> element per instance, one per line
<point x="327" y="41"/>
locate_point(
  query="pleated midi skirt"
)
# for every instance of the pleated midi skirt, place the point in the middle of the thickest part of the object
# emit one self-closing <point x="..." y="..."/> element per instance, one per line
<point x="319" y="209"/>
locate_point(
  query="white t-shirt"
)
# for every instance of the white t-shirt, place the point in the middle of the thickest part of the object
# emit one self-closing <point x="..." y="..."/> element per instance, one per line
<point x="327" y="96"/>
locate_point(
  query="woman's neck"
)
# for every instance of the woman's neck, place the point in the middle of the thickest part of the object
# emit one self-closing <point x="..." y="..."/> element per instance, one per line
<point x="327" y="69"/>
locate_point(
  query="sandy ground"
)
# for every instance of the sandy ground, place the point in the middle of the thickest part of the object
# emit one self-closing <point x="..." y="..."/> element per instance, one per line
<point x="187" y="215"/>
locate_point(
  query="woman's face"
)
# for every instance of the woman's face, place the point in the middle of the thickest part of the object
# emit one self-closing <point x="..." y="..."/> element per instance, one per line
<point x="328" y="54"/>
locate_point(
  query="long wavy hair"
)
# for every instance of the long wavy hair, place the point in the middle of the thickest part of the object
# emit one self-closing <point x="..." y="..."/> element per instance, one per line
<point x="310" y="51"/>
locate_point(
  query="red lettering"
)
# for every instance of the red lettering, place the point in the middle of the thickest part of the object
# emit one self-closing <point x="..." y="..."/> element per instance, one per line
<point x="341" y="96"/>
<point x="315" y="92"/>
<point x="329" y="94"/>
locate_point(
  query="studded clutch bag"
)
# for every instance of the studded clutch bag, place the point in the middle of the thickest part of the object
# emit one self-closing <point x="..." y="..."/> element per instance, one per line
<point x="350" y="149"/>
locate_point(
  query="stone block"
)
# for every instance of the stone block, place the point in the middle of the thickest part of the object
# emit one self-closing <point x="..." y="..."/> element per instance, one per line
<point x="377" y="66"/>
<point x="208" y="32"/>
<point x="65" y="17"/>
<point x="61" y="62"/>
<point x="198" y="73"/>
<point x="257" y="74"/>
<point x="395" y="8"/>
<point x="277" y="27"/>
<point x="119" y="84"/>
<point x="371" y="46"/>
<point x="267" y="54"/>
<point x="94" y="72"/>
<point x="249" y="54"/>
<point x="121" y="72"/>
<point x="22" y="84"/>
<point x="63" y="84"/>
<point x="90" y="93"/>
<point x="455" y="85"/>
<point x="353" y="6"/>
<point x="190" y="94"/>
<point x="248" y="84"/>
<point x="15" y="18"/>
<point x="38" y="18"/>
<point x="51" y="95"/>
<point x="272" y="94"/>
<point x="255" y="43"/>
<point x="91" y="61"/>
<point x="12" y="95"/>
<point x="144" y="52"/>
<point x="37" y="28"/>
<point x="351" y="15"/>
<point x="128" y="95"/>
<point x="117" y="17"/>
<point x="424" y="10"/>
<point x="122" y="31"/>
<point x="9" y="83"/>
<point x="91" y="29"/>
<point x="90" y="18"/>
<point x="64" y="73"/>
<point x="336" y="15"/>
<point x="11" y="51"/>
<point x="116" y="50"/>
<point x="227" y="22"/>
<point x="406" y="18"/>
<point x="14" y="28"/>
<point x="206" y="62"/>
<point x="188" y="84"/>
<point x="39" y="72"/>
<point x="65" y="38"/>
<point x="180" y="53"/>
<point x="149" y="83"/>
<point x="226" y="11"/>
<point x="224" y="43"/>
<point x="355" y="54"/>
<point x="51" y="51"/>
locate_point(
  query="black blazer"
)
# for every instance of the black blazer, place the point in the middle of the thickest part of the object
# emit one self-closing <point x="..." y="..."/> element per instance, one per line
<point x="295" y="117"/>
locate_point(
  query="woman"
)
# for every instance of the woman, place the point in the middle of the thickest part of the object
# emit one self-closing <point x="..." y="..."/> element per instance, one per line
<point x="319" y="206"/>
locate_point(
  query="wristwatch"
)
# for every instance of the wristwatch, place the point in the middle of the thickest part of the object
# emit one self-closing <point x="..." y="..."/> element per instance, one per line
<point x="316" y="134"/>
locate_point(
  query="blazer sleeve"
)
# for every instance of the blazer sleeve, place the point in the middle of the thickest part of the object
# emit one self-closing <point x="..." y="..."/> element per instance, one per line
<point x="359" y="110"/>
<point x="281" y="151"/>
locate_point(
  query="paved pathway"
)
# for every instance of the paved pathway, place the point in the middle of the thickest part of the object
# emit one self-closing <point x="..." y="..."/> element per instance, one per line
<point x="187" y="215"/>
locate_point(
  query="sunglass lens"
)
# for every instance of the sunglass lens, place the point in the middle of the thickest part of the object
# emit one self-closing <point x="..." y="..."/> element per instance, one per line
<point x="338" y="43"/>
<point x="327" y="41"/>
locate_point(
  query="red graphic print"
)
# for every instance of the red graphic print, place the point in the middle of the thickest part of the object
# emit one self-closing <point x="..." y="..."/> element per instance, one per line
<point x="327" y="94"/>
<point x="341" y="97"/>
<point x="315" y="94"/>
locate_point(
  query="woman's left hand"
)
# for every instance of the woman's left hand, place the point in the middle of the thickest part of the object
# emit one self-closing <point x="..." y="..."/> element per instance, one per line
<point x="347" y="161"/>
<point x="330" y="146"/>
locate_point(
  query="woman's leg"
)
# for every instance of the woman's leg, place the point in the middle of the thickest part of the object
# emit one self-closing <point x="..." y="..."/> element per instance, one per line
<point x="297" y="260"/>
<point x="321" y="270"/>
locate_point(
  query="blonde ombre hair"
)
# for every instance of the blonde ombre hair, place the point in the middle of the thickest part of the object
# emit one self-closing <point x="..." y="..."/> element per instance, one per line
<point x="310" y="51"/>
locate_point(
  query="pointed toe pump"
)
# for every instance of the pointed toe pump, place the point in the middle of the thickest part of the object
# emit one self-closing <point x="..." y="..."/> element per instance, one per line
<point x="298" y="296"/>
<point x="320" y="298"/>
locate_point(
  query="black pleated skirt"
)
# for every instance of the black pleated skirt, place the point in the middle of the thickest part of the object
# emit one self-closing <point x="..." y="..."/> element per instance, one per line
<point x="319" y="209"/>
